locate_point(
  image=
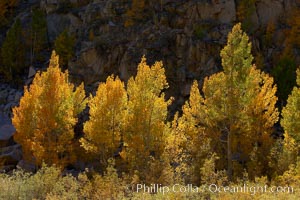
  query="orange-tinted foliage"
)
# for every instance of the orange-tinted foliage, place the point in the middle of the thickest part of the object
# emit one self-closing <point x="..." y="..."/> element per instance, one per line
<point x="46" y="117"/>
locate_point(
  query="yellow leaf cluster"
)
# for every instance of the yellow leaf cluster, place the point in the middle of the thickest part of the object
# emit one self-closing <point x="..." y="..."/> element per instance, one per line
<point x="46" y="116"/>
<point x="147" y="113"/>
<point x="237" y="111"/>
<point x="291" y="114"/>
<point x="107" y="119"/>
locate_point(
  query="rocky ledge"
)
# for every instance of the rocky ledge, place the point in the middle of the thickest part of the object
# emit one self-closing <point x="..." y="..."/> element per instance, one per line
<point x="10" y="151"/>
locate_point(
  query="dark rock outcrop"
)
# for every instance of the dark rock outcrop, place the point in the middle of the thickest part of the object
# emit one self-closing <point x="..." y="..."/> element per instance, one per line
<point x="10" y="152"/>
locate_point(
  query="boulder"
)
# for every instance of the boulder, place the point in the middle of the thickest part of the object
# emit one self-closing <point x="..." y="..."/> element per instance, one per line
<point x="10" y="152"/>
<point x="227" y="12"/>
<point x="89" y="66"/>
<point x="269" y="11"/>
<point x="27" y="166"/>
<point x="8" y="108"/>
<point x="31" y="72"/>
<point x="222" y="11"/>
<point x="11" y="155"/>
<point x="49" y="6"/>
<point x="6" y="168"/>
<point x="3" y="96"/>
<point x="18" y="96"/>
<point x="57" y="23"/>
<point x="11" y="98"/>
<point x="6" y="128"/>
<point x="6" y="131"/>
<point x="185" y="89"/>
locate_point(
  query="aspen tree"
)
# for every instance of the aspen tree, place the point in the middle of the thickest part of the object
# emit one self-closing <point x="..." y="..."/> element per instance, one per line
<point x="46" y="117"/>
<point x="238" y="106"/>
<point x="147" y="113"/>
<point x="103" y="131"/>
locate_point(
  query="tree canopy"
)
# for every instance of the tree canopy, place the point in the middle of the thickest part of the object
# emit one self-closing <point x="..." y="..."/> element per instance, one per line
<point x="46" y="116"/>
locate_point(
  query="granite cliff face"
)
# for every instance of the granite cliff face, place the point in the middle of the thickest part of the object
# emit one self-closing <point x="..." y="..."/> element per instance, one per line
<point x="113" y="35"/>
<point x="186" y="35"/>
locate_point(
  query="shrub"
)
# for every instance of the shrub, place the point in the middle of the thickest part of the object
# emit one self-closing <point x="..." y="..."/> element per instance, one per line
<point x="12" y="52"/>
<point x="64" y="45"/>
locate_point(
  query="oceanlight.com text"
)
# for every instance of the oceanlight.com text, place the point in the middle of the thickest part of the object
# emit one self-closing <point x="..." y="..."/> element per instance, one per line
<point x="212" y="188"/>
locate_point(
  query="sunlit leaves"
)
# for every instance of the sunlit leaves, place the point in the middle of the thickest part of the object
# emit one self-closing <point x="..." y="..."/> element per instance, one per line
<point x="147" y="113"/>
<point x="238" y="109"/>
<point x="291" y="114"/>
<point x="107" y="119"/>
<point x="47" y="115"/>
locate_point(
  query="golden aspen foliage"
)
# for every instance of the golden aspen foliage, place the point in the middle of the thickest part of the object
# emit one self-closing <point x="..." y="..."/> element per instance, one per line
<point x="176" y="167"/>
<point x="103" y="131"/>
<point x="236" y="55"/>
<point x="147" y="113"/>
<point x="238" y="109"/>
<point x="208" y="171"/>
<point x="283" y="154"/>
<point x="108" y="186"/>
<point x="291" y="177"/>
<point x="290" y="113"/>
<point x="46" y="117"/>
<point x="262" y="114"/>
<point x="196" y="143"/>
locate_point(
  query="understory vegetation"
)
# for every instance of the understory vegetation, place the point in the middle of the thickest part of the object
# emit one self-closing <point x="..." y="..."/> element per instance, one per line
<point x="222" y="140"/>
<point x="48" y="183"/>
